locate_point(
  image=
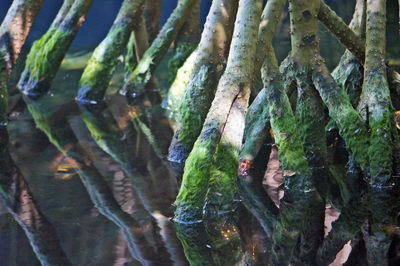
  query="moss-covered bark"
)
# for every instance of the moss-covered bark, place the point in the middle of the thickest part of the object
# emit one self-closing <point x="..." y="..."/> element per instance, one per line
<point x="352" y="41"/>
<point x="98" y="72"/>
<point x="209" y="59"/>
<point x="349" y="72"/>
<point x="375" y="104"/>
<point x="257" y="121"/>
<point x="233" y="85"/>
<point x="257" y="127"/>
<point x="186" y="41"/>
<point x="299" y="229"/>
<point x="140" y="77"/>
<point x="47" y="53"/>
<point x="177" y="89"/>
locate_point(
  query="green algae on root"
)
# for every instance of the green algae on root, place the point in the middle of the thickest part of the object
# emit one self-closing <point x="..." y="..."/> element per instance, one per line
<point x="47" y="53"/>
<point x="140" y="77"/>
<point x="209" y="63"/>
<point x="234" y="84"/>
<point x="98" y="72"/>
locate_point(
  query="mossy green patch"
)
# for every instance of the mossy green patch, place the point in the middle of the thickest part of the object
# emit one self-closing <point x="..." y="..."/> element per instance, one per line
<point x="178" y="88"/>
<point x="190" y="200"/>
<point x="98" y="72"/>
<point x="183" y="51"/>
<point x="196" y="103"/>
<point x="47" y="53"/>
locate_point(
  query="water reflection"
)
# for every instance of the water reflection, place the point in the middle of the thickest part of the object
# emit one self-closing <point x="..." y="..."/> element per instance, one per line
<point x="118" y="153"/>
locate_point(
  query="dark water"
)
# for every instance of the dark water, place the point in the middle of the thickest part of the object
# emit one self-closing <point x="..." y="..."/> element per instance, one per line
<point x="101" y="178"/>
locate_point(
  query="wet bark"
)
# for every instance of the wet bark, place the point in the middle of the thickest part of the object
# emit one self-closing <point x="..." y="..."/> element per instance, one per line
<point x="16" y="26"/>
<point x="375" y="104"/>
<point x="208" y="61"/>
<point x="352" y="42"/>
<point x="257" y="120"/>
<point x="230" y="103"/>
<point x="186" y="41"/>
<point x="300" y="226"/>
<point x="47" y="53"/>
<point x="349" y="72"/>
<point x="135" y="85"/>
<point x="204" y="246"/>
<point x="98" y="72"/>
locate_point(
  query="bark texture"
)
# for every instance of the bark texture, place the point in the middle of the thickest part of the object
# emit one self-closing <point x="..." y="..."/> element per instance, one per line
<point x="46" y="54"/>
<point x="209" y="60"/>
<point x="232" y="92"/>
<point x="152" y="16"/>
<point x="98" y="72"/>
<point x="186" y="41"/>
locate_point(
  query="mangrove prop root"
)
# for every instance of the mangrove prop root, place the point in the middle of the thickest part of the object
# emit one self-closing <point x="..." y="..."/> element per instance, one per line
<point x="177" y="89"/>
<point x="375" y="103"/>
<point x="98" y="72"/>
<point x="351" y="127"/>
<point x="208" y="62"/>
<point x="349" y="72"/>
<point x="257" y="119"/>
<point x="47" y="53"/>
<point x="16" y="26"/>
<point x="234" y="83"/>
<point x="13" y="33"/>
<point x="351" y="41"/>
<point x="186" y="41"/>
<point x="257" y="127"/>
<point x="136" y="83"/>
<point x="300" y="223"/>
